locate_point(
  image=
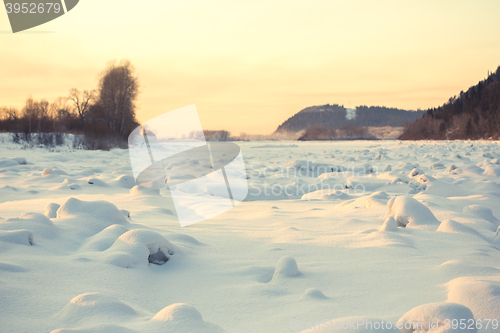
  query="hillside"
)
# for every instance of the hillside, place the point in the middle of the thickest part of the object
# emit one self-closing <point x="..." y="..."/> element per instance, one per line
<point x="474" y="114"/>
<point x="336" y="117"/>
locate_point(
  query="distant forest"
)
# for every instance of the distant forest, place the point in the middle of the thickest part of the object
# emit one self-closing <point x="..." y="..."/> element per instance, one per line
<point x="335" y="117"/>
<point x="314" y="133"/>
<point x="104" y="117"/>
<point x="474" y="114"/>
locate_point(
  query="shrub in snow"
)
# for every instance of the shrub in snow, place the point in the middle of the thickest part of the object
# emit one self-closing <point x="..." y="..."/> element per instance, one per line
<point x="51" y="210"/>
<point x="410" y="213"/>
<point x="286" y="267"/>
<point x="139" y="247"/>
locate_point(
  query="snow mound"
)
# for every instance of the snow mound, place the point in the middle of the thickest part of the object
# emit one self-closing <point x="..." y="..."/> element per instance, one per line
<point x="46" y="172"/>
<point x="415" y="172"/>
<point x="20" y="160"/>
<point x="139" y="247"/>
<point x="326" y="195"/>
<point x="410" y="213"/>
<point x="492" y="171"/>
<point x="102" y="210"/>
<point x="11" y="268"/>
<point x="285" y="268"/>
<point x="125" y="212"/>
<point x="451" y="169"/>
<point x="96" y="329"/>
<point x="95" y="308"/>
<point x="104" y="239"/>
<point x="66" y="185"/>
<point x="497" y="237"/>
<point x="51" y="210"/>
<point x="180" y="317"/>
<point x="124" y="181"/>
<point x="481" y="295"/>
<point x="435" y="314"/>
<point x="97" y="182"/>
<point x="4" y="163"/>
<point x="483" y="212"/>
<point x="376" y="199"/>
<point x="456" y="227"/>
<point x="38" y="224"/>
<point x="314" y="293"/>
<point x="178" y="311"/>
<point x="438" y="165"/>
<point x="304" y="168"/>
<point x="23" y="237"/>
<point x="140" y="190"/>
<point x="90" y="217"/>
<point x="390" y="224"/>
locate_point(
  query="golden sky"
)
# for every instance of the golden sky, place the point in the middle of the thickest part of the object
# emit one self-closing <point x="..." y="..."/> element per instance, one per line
<point x="249" y="65"/>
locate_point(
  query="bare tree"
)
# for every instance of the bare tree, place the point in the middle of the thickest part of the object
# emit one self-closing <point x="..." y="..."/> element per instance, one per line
<point x="30" y="111"/>
<point x="118" y="90"/>
<point x="82" y="102"/>
<point x="42" y="113"/>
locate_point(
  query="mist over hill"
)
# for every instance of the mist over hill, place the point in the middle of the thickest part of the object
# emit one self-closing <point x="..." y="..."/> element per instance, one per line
<point x="337" y="116"/>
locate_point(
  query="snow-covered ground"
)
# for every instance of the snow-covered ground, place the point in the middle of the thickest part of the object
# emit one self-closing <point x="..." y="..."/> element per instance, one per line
<point x="331" y="234"/>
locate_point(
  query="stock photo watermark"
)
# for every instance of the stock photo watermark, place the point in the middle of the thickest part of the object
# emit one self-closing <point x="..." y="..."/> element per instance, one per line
<point x="333" y="180"/>
<point x="27" y="14"/>
<point x="206" y="179"/>
<point x="383" y="326"/>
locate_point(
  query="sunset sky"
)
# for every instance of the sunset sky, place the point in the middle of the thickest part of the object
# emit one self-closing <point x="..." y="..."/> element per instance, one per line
<point x="249" y="65"/>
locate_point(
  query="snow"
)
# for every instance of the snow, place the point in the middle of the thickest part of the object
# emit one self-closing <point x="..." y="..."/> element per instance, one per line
<point x="330" y="233"/>
<point x="410" y="213"/>
<point x="435" y="317"/>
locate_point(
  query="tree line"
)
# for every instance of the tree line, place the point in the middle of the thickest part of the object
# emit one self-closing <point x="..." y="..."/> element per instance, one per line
<point x="104" y="116"/>
<point x="351" y="132"/>
<point x="474" y="114"/>
<point x="335" y="117"/>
